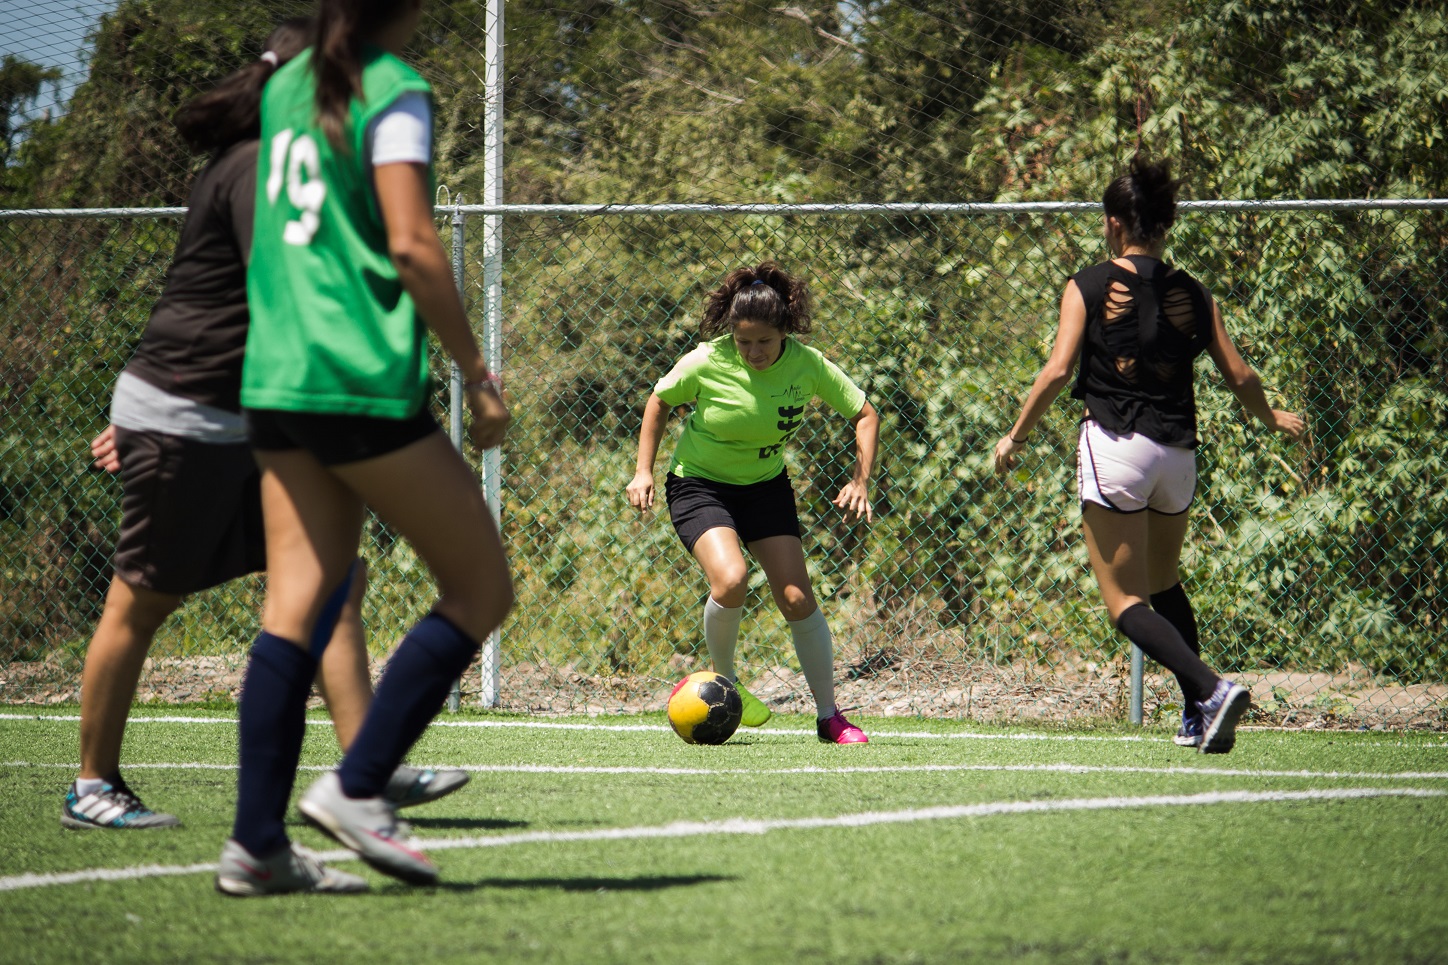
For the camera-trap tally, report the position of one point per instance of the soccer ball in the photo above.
(704, 708)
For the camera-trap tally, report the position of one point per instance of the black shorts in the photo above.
(335, 439)
(190, 512)
(756, 511)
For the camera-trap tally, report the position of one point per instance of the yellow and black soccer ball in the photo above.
(705, 708)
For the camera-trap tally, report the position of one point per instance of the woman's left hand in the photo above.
(855, 498)
(103, 450)
(1005, 453)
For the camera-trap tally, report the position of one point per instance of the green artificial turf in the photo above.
(1351, 880)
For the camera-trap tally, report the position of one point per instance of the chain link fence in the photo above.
(1317, 570)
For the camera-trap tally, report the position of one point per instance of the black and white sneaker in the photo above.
(410, 786)
(113, 806)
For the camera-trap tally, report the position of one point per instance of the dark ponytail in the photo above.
(764, 293)
(231, 111)
(343, 26)
(1143, 200)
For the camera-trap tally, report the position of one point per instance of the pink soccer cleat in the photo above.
(837, 730)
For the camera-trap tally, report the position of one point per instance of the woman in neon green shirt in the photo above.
(750, 382)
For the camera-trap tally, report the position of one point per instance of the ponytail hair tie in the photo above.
(755, 282)
(271, 57)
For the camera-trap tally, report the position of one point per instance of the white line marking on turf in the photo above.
(755, 826)
(769, 731)
(22, 882)
(686, 829)
(1062, 768)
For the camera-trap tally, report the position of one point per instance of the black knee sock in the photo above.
(1160, 641)
(273, 721)
(411, 692)
(1174, 604)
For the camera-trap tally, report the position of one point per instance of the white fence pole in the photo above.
(493, 296)
(455, 379)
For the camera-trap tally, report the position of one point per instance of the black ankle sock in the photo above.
(273, 721)
(1176, 606)
(1159, 640)
(411, 692)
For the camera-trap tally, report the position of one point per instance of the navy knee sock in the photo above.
(1176, 606)
(273, 721)
(411, 692)
(1159, 640)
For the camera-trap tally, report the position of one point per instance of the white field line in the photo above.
(660, 728)
(880, 769)
(755, 826)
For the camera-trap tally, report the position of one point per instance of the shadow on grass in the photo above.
(640, 883)
(463, 824)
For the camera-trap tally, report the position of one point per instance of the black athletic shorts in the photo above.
(335, 439)
(756, 511)
(190, 512)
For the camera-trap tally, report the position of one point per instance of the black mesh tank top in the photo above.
(1143, 332)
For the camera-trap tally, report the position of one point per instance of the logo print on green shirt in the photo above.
(790, 419)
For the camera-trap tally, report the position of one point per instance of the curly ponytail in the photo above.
(231, 111)
(1143, 200)
(765, 293)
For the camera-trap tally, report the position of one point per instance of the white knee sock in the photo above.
(721, 632)
(816, 655)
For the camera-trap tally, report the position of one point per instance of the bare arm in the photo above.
(1054, 376)
(426, 273)
(1245, 384)
(656, 418)
(855, 496)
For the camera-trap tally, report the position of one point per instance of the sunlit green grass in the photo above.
(1268, 881)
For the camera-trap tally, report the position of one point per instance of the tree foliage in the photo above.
(1321, 556)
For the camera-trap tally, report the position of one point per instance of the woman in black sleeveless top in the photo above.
(1137, 324)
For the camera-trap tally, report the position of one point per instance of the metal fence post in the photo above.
(493, 298)
(1136, 686)
(455, 382)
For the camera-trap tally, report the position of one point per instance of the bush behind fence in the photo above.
(1316, 570)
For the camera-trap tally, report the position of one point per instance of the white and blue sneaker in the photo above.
(1220, 713)
(410, 786)
(1190, 732)
(111, 806)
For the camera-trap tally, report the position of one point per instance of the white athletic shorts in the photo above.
(1130, 473)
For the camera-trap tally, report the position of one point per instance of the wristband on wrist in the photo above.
(492, 378)
(1019, 442)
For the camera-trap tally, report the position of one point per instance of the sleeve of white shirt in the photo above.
(402, 134)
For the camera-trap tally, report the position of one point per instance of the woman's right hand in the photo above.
(1289, 424)
(1005, 453)
(641, 491)
(490, 414)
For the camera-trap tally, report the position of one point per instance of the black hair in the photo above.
(1143, 200)
(342, 26)
(231, 111)
(765, 293)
